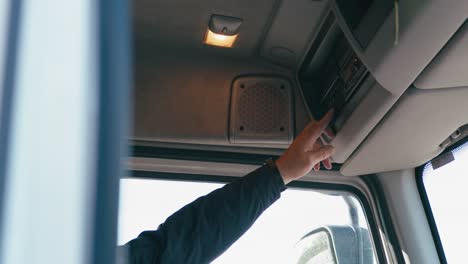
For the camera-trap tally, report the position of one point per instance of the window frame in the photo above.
(8, 59)
(427, 205)
(110, 27)
(315, 186)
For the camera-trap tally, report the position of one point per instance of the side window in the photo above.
(304, 226)
(444, 183)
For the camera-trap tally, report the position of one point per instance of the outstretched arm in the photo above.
(205, 228)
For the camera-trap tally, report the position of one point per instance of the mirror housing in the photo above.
(337, 245)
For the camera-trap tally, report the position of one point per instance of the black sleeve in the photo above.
(205, 228)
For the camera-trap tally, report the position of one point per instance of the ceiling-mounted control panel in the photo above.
(364, 56)
(332, 75)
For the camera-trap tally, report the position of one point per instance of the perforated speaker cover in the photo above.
(261, 111)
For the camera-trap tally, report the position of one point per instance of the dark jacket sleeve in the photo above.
(205, 228)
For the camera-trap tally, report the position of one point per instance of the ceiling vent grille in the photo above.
(261, 111)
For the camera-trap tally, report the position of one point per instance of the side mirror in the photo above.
(336, 245)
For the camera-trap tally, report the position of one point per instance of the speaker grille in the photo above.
(261, 111)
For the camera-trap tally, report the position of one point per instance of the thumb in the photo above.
(324, 152)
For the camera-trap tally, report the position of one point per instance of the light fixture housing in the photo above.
(222, 31)
(219, 40)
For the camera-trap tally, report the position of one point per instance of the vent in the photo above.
(261, 111)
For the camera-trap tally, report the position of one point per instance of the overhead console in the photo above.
(350, 55)
(332, 75)
(448, 68)
(428, 117)
(361, 60)
(363, 17)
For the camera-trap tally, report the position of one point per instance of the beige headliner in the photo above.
(172, 61)
(182, 24)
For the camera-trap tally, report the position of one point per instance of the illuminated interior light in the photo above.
(219, 40)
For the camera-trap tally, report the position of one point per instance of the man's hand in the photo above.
(306, 152)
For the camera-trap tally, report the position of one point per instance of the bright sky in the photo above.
(446, 189)
(144, 204)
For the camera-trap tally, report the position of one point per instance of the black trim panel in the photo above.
(199, 155)
(156, 175)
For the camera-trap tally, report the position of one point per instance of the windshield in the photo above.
(144, 204)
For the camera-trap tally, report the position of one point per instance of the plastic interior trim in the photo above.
(207, 155)
(377, 192)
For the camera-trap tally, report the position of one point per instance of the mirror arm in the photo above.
(353, 210)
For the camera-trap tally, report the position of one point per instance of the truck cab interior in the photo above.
(192, 95)
(392, 71)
